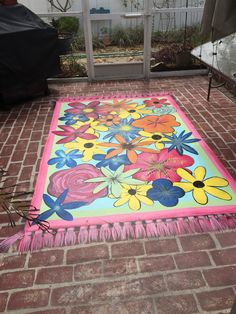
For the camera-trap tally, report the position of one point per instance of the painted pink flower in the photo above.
(74, 180)
(71, 133)
(91, 110)
(162, 165)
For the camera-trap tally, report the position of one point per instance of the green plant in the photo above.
(66, 24)
(127, 37)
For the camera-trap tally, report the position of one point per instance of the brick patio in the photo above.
(179, 275)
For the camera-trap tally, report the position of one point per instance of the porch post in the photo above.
(147, 37)
(88, 39)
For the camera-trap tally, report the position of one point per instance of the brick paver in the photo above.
(173, 275)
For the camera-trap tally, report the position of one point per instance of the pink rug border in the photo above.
(134, 216)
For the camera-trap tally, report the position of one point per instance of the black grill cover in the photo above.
(28, 48)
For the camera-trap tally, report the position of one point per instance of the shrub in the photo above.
(66, 24)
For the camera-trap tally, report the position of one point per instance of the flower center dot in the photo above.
(156, 102)
(198, 184)
(109, 120)
(128, 146)
(156, 137)
(56, 208)
(88, 145)
(132, 111)
(132, 192)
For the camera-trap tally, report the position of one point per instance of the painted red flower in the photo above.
(155, 102)
(91, 110)
(162, 165)
(71, 133)
(74, 180)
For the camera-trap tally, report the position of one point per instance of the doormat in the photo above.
(119, 168)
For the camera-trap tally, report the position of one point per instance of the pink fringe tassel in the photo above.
(83, 235)
(93, 233)
(37, 241)
(48, 239)
(70, 237)
(118, 231)
(59, 238)
(139, 230)
(151, 229)
(5, 244)
(105, 232)
(127, 231)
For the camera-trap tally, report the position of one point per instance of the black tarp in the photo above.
(28, 48)
(219, 18)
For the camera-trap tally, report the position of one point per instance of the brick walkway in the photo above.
(179, 275)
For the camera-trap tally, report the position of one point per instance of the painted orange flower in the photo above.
(163, 124)
(116, 105)
(130, 148)
(110, 119)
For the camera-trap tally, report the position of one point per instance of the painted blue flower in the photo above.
(180, 142)
(65, 159)
(164, 110)
(71, 118)
(57, 207)
(124, 128)
(113, 163)
(164, 192)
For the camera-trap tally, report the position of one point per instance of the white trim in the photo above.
(88, 40)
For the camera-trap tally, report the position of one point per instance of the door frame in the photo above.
(142, 68)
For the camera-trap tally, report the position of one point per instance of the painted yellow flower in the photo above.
(157, 137)
(94, 126)
(135, 111)
(134, 195)
(87, 147)
(200, 187)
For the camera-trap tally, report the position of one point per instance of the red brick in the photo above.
(227, 238)
(19, 279)
(47, 258)
(3, 301)
(185, 280)
(219, 277)
(129, 288)
(35, 136)
(176, 304)
(192, 260)
(18, 155)
(7, 150)
(25, 134)
(6, 232)
(127, 249)
(224, 257)
(4, 218)
(21, 145)
(89, 253)
(197, 242)
(159, 263)
(120, 267)
(30, 159)
(216, 300)
(33, 147)
(161, 246)
(134, 307)
(49, 311)
(11, 262)
(54, 275)
(92, 309)
(72, 295)
(28, 299)
(88, 271)
(26, 173)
